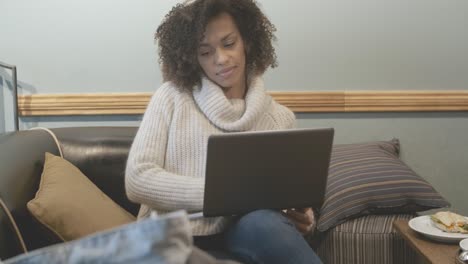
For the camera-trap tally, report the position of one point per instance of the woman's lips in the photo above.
(225, 73)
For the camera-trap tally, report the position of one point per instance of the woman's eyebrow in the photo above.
(204, 44)
(227, 36)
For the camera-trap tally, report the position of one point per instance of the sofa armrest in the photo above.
(21, 164)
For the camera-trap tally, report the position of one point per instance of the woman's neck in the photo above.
(236, 92)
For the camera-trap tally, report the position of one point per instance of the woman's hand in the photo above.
(303, 219)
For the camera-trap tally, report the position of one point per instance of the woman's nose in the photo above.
(221, 57)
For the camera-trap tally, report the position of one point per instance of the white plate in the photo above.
(424, 225)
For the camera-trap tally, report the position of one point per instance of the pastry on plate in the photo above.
(450, 222)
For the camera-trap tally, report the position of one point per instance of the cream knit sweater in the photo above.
(166, 165)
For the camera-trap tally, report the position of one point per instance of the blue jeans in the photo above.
(267, 236)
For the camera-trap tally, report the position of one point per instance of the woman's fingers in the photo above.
(301, 216)
(302, 228)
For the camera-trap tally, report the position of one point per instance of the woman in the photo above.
(213, 53)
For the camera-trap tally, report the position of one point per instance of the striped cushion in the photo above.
(366, 240)
(369, 178)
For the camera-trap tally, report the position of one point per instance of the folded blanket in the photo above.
(163, 239)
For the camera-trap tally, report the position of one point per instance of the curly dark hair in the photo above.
(180, 32)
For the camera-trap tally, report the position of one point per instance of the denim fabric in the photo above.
(164, 239)
(267, 236)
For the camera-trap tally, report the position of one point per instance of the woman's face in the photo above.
(221, 55)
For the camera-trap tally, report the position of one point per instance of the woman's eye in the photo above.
(205, 53)
(230, 44)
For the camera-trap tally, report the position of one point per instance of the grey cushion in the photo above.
(369, 178)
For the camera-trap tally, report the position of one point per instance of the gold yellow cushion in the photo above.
(70, 205)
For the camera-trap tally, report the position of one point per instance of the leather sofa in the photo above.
(101, 153)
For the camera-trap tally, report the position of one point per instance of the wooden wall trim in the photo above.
(406, 101)
(83, 104)
(316, 101)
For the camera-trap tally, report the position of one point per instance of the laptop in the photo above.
(280, 169)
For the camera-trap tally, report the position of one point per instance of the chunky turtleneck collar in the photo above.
(235, 114)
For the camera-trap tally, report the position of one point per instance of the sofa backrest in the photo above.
(99, 152)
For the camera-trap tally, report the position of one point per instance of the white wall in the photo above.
(107, 45)
(371, 44)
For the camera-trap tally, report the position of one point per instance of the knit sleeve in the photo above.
(291, 117)
(283, 117)
(146, 181)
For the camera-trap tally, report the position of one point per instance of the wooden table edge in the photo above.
(410, 236)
